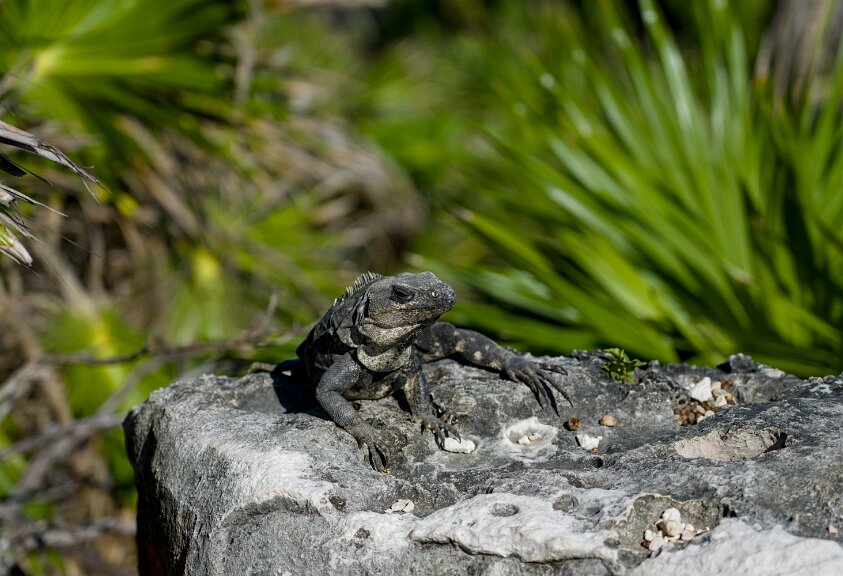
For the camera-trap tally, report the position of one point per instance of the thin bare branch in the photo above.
(112, 403)
(56, 534)
(80, 429)
(256, 336)
(10, 508)
(19, 385)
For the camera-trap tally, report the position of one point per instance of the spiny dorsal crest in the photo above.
(361, 282)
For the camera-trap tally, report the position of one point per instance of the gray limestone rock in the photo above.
(249, 476)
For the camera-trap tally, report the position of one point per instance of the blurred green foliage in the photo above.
(588, 174)
(628, 190)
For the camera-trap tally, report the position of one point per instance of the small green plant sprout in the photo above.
(621, 367)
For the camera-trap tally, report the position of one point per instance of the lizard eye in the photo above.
(401, 294)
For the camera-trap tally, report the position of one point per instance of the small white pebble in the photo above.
(716, 386)
(720, 401)
(671, 528)
(533, 437)
(772, 372)
(672, 514)
(588, 441)
(464, 447)
(708, 413)
(657, 542)
(401, 506)
(688, 533)
(524, 440)
(832, 529)
(649, 535)
(701, 391)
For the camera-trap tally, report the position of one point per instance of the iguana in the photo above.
(376, 336)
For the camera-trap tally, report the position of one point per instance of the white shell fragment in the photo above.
(529, 438)
(669, 528)
(701, 392)
(401, 506)
(588, 441)
(688, 533)
(657, 542)
(454, 445)
(670, 524)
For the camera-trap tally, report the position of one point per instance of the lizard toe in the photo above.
(551, 385)
(378, 457)
(446, 416)
(555, 368)
(439, 428)
(375, 446)
(531, 383)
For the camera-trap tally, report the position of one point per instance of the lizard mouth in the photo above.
(410, 303)
(411, 318)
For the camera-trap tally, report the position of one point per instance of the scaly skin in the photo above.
(374, 340)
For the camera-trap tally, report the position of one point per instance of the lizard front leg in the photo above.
(418, 397)
(443, 339)
(341, 376)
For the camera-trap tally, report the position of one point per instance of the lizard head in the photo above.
(408, 300)
(385, 312)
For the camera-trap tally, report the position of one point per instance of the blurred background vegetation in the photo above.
(660, 176)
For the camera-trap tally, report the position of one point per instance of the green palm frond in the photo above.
(662, 198)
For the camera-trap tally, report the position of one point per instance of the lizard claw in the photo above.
(377, 455)
(547, 367)
(538, 377)
(446, 415)
(439, 426)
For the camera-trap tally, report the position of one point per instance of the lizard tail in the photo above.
(290, 365)
(285, 366)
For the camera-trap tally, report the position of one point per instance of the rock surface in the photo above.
(247, 476)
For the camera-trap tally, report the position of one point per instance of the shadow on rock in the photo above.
(293, 390)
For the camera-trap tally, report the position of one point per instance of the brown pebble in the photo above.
(699, 409)
(573, 424)
(608, 420)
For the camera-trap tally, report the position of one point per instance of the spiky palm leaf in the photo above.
(658, 200)
(11, 219)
